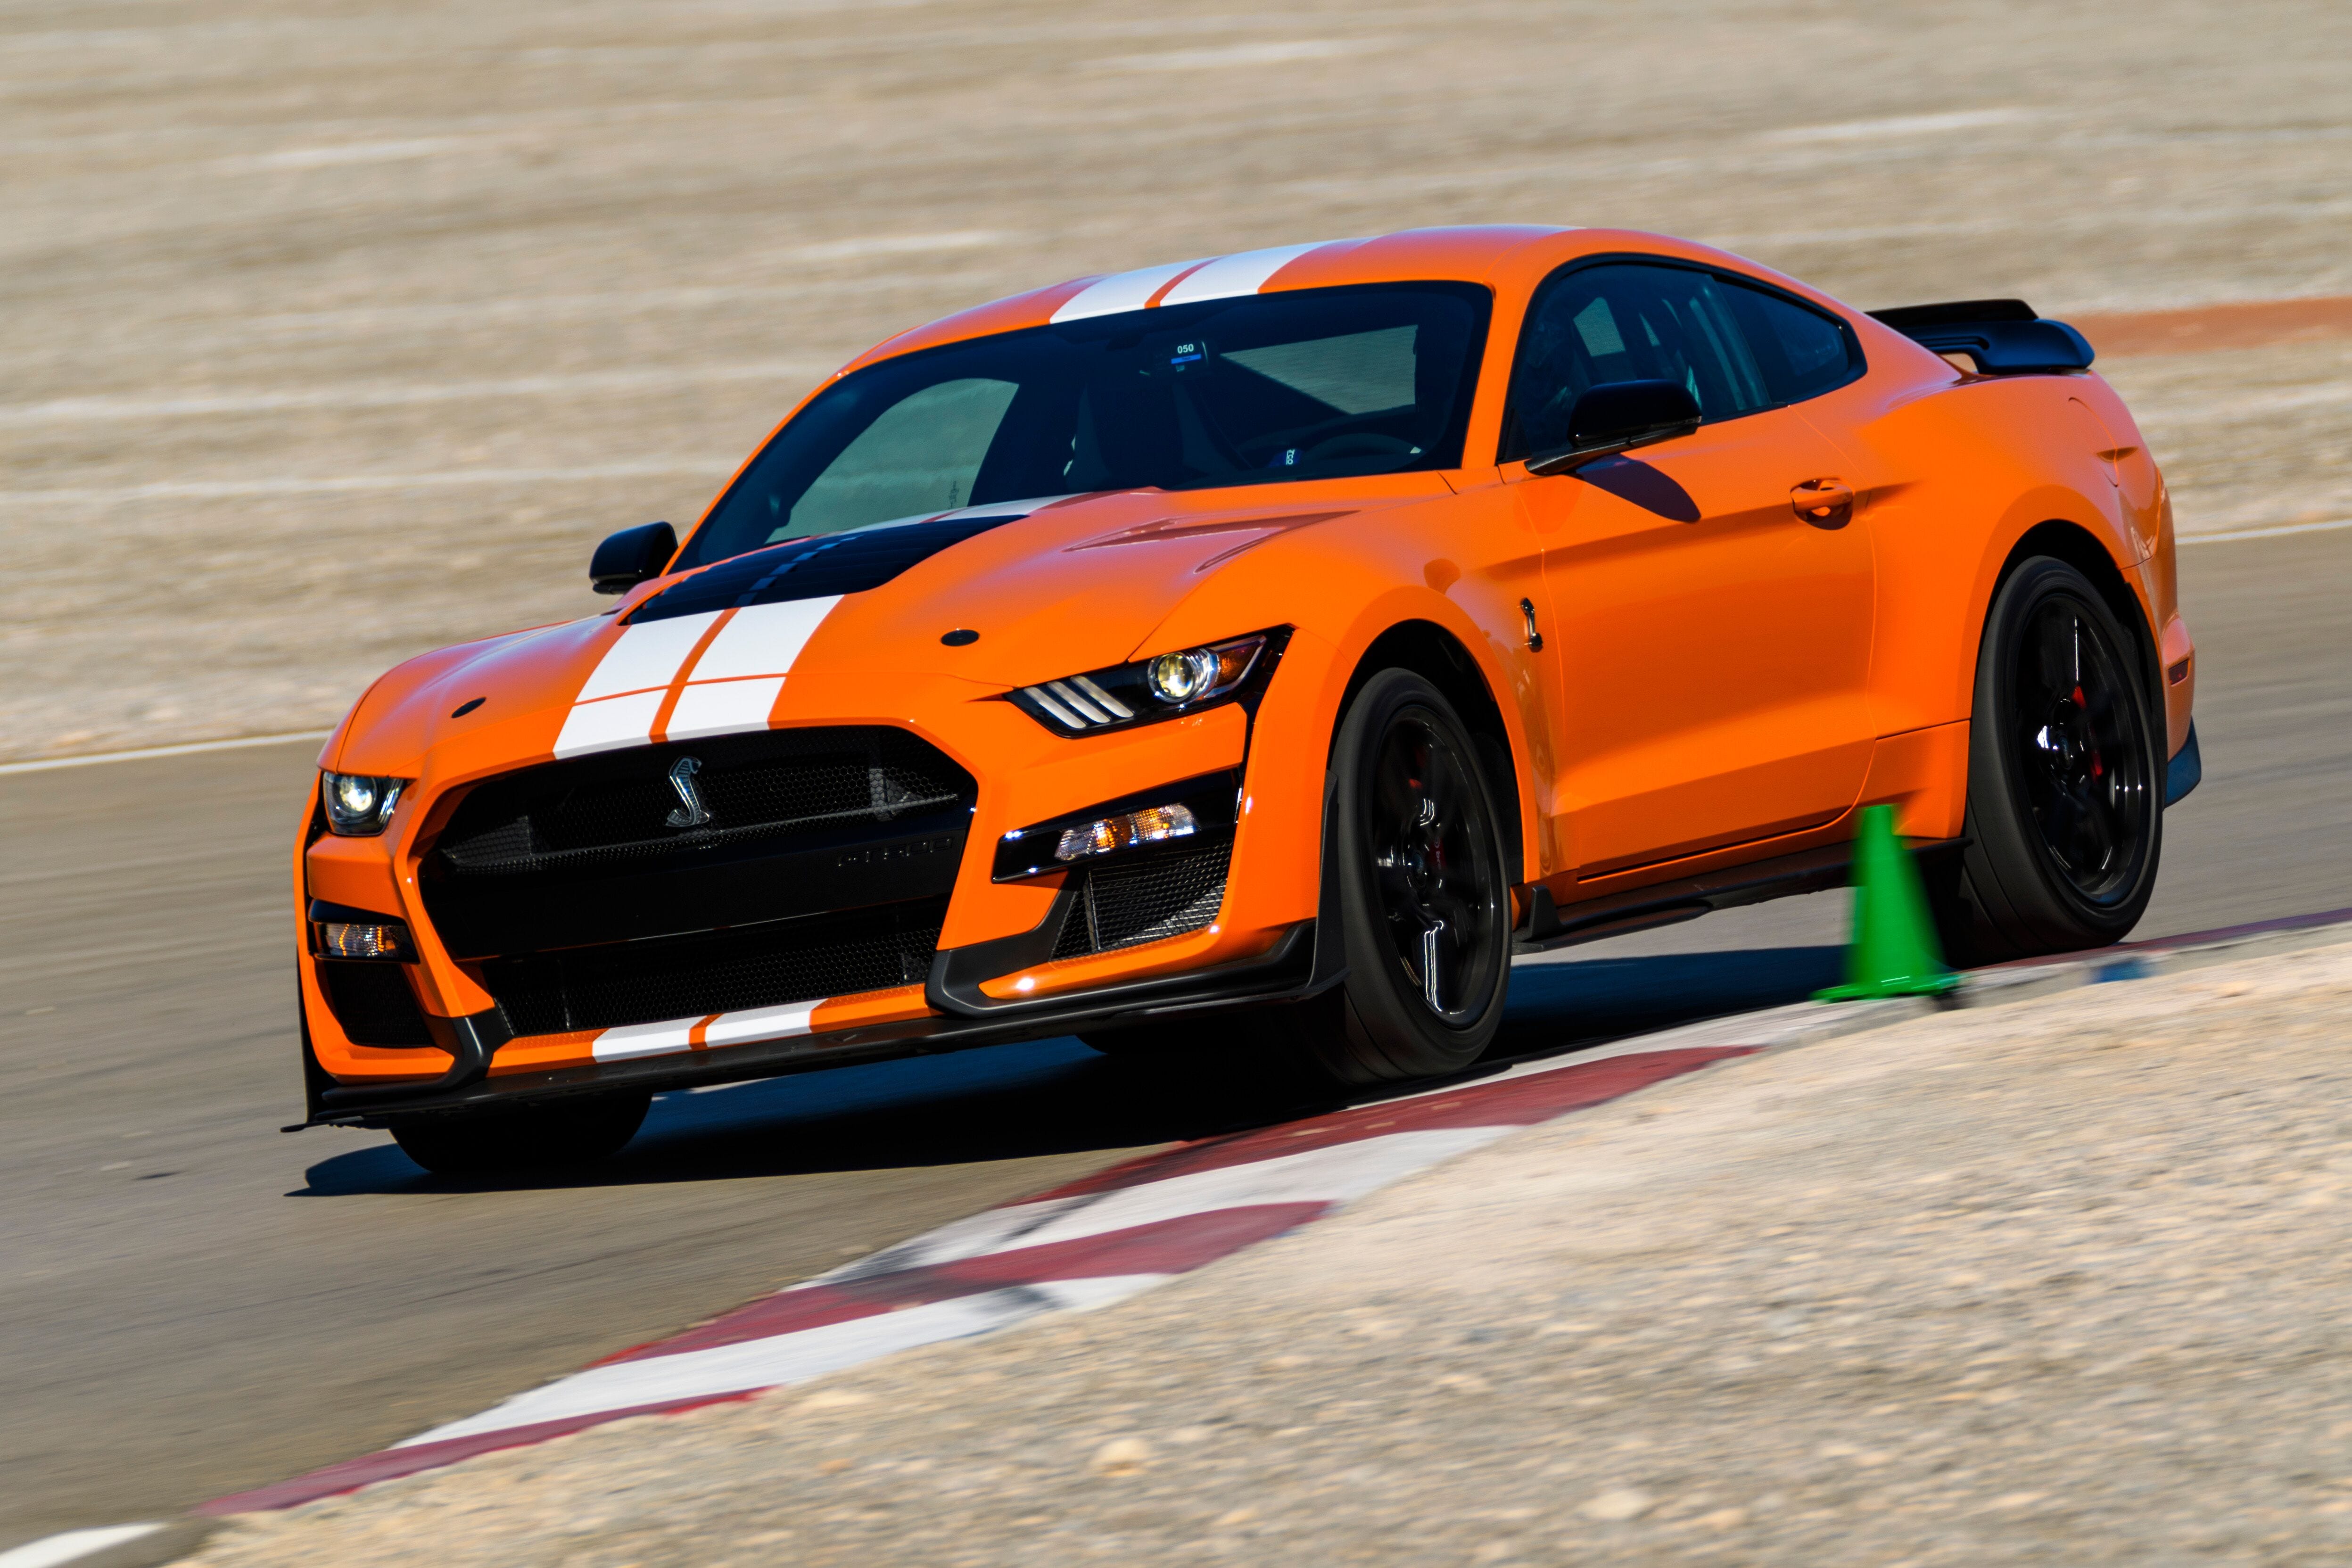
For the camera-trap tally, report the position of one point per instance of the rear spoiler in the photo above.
(2003, 337)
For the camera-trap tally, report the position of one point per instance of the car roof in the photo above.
(1467, 254)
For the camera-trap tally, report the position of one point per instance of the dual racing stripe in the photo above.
(1220, 278)
(709, 656)
(677, 1035)
(718, 672)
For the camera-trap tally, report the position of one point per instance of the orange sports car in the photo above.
(1249, 655)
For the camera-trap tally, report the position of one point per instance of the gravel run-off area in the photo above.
(2062, 1281)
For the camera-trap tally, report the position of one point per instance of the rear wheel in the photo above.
(2065, 815)
(550, 1135)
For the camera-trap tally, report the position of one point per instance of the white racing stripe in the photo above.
(762, 1023)
(647, 654)
(1244, 273)
(1120, 291)
(628, 1040)
(763, 639)
(1335, 1174)
(789, 1358)
(723, 707)
(605, 726)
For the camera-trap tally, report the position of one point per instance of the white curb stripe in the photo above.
(1336, 1174)
(52, 1550)
(789, 1358)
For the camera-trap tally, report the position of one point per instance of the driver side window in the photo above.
(1627, 321)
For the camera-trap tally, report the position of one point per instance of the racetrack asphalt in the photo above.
(194, 1303)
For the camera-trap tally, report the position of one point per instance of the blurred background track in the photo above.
(336, 333)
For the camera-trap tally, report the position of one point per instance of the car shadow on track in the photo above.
(1058, 1097)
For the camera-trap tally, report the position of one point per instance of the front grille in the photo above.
(1168, 895)
(610, 811)
(793, 823)
(716, 971)
(372, 1003)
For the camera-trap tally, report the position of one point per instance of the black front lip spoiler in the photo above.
(1287, 972)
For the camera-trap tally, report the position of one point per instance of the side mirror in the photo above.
(1617, 416)
(632, 556)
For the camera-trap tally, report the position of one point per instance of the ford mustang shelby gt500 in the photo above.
(1250, 656)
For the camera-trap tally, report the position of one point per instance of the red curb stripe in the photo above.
(1509, 1102)
(392, 1464)
(1164, 1246)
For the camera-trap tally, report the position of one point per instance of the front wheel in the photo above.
(2065, 815)
(1425, 895)
(550, 1135)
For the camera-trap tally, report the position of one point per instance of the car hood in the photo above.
(1052, 589)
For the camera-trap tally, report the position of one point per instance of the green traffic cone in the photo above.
(1894, 951)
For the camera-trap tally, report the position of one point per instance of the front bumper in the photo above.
(1286, 972)
(1001, 972)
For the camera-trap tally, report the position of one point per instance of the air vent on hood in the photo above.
(815, 568)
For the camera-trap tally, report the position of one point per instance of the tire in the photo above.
(2066, 813)
(552, 1135)
(1425, 896)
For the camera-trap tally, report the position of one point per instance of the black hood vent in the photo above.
(815, 568)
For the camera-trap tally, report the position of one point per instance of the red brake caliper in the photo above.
(2098, 768)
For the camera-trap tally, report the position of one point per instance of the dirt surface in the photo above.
(340, 330)
(2059, 1282)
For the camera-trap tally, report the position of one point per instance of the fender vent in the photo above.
(1121, 906)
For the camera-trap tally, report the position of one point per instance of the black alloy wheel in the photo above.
(1437, 888)
(2065, 815)
(1425, 895)
(2085, 772)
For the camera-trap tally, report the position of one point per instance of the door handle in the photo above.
(1827, 501)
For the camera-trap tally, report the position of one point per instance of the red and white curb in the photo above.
(1086, 1245)
(1139, 1223)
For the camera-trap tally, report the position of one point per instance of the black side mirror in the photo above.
(1617, 416)
(631, 556)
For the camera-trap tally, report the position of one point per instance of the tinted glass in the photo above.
(1801, 353)
(1317, 384)
(1626, 322)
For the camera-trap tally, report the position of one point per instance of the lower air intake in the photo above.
(1168, 895)
(372, 1003)
(762, 965)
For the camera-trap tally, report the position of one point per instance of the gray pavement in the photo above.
(194, 1304)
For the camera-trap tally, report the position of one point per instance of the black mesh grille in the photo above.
(716, 971)
(580, 816)
(372, 1003)
(1168, 895)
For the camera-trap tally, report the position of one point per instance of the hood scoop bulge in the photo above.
(815, 568)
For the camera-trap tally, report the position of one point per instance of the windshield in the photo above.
(1317, 384)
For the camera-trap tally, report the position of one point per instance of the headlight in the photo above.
(358, 806)
(1162, 686)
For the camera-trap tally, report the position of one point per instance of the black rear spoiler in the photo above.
(2003, 337)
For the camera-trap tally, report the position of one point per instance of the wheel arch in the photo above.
(1440, 658)
(2069, 541)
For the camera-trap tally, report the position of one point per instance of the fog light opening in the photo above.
(1153, 825)
(339, 939)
